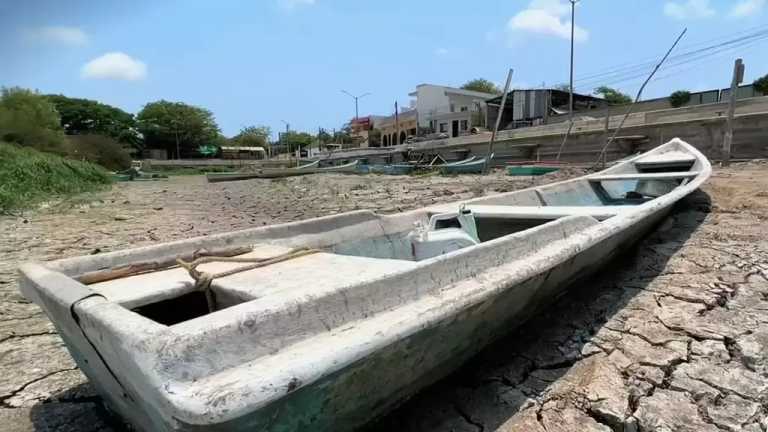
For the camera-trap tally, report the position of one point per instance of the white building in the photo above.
(449, 110)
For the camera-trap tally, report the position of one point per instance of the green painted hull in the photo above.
(530, 170)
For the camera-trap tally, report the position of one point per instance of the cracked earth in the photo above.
(670, 337)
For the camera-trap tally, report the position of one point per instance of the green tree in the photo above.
(177, 127)
(252, 136)
(761, 84)
(100, 149)
(374, 138)
(679, 98)
(29, 119)
(481, 85)
(613, 96)
(296, 140)
(324, 137)
(85, 116)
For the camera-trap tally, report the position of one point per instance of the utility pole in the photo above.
(489, 153)
(356, 99)
(573, 27)
(397, 126)
(738, 77)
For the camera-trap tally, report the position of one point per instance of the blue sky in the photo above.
(260, 62)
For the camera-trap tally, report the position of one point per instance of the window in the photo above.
(443, 127)
(464, 125)
(463, 109)
(453, 108)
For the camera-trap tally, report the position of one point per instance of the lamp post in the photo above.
(356, 99)
(573, 26)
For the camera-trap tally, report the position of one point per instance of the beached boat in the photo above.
(393, 169)
(465, 167)
(311, 168)
(533, 168)
(327, 323)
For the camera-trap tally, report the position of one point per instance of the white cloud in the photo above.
(691, 9)
(58, 34)
(292, 4)
(115, 65)
(441, 51)
(547, 17)
(747, 8)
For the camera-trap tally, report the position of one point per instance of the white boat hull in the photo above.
(333, 339)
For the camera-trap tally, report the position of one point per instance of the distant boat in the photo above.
(327, 323)
(310, 168)
(393, 169)
(465, 167)
(531, 170)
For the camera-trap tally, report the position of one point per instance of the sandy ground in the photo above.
(672, 338)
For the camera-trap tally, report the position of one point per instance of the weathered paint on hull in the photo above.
(371, 387)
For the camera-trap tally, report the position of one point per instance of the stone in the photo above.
(672, 411)
(732, 411)
(753, 347)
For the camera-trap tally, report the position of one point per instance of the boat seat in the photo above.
(668, 159)
(544, 212)
(644, 176)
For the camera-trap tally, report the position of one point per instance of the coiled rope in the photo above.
(203, 279)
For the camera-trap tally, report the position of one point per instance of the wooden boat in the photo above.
(393, 169)
(531, 170)
(326, 323)
(282, 172)
(471, 167)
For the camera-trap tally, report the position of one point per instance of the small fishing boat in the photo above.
(465, 167)
(393, 169)
(327, 323)
(311, 168)
(532, 168)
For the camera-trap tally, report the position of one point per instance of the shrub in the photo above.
(679, 98)
(28, 176)
(29, 119)
(761, 85)
(98, 149)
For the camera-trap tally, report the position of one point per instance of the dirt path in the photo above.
(676, 324)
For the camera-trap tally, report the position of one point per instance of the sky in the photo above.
(266, 62)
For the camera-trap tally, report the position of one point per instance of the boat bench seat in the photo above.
(645, 176)
(318, 272)
(541, 212)
(668, 159)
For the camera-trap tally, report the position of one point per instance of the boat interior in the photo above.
(371, 250)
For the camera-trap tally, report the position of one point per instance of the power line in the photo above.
(687, 58)
(650, 62)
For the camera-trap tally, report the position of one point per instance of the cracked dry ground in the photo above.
(670, 338)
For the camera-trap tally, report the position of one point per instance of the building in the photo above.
(396, 129)
(448, 110)
(360, 129)
(237, 152)
(534, 107)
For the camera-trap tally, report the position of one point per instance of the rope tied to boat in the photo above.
(203, 279)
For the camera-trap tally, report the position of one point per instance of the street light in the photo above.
(355, 98)
(573, 26)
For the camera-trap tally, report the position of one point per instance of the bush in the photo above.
(761, 85)
(28, 176)
(98, 149)
(679, 98)
(29, 119)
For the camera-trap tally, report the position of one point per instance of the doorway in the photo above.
(455, 128)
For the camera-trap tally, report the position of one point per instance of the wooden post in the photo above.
(738, 77)
(498, 121)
